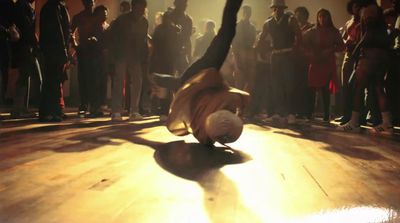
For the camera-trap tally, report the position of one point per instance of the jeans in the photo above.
(134, 70)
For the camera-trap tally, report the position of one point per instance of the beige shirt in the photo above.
(202, 95)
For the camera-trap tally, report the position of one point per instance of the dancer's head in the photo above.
(224, 126)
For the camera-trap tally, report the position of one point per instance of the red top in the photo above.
(322, 69)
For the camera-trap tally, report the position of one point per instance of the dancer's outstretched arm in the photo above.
(219, 48)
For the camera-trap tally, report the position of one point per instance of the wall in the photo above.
(213, 9)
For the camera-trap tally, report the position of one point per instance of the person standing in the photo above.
(180, 18)
(393, 79)
(98, 66)
(6, 26)
(204, 40)
(24, 55)
(284, 33)
(373, 53)
(302, 63)
(322, 42)
(165, 50)
(81, 26)
(243, 49)
(351, 36)
(54, 39)
(129, 50)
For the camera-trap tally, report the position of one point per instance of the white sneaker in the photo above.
(135, 116)
(116, 117)
(291, 119)
(274, 118)
(349, 127)
(383, 130)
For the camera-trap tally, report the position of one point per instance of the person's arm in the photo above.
(339, 43)
(145, 48)
(297, 31)
(308, 44)
(397, 31)
(264, 44)
(74, 27)
(25, 25)
(187, 33)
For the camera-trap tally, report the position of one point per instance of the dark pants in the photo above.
(302, 89)
(95, 81)
(326, 98)
(283, 82)
(53, 77)
(27, 69)
(219, 48)
(348, 86)
(260, 93)
(85, 64)
(4, 65)
(393, 87)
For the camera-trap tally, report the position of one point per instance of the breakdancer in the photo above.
(204, 105)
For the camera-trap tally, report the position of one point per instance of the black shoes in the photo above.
(50, 118)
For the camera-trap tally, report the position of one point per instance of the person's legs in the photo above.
(347, 88)
(370, 72)
(117, 83)
(393, 88)
(50, 109)
(95, 88)
(372, 104)
(326, 97)
(277, 81)
(311, 94)
(135, 71)
(83, 72)
(289, 83)
(302, 86)
(21, 91)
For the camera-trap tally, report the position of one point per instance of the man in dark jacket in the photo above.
(5, 23)
(129, 49)
(54, 39)
(180, 18)
(283, 31)
(82, 24)
(24, 55)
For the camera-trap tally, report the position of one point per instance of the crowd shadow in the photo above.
(344, 145)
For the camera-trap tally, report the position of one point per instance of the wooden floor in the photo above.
(137, 172)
